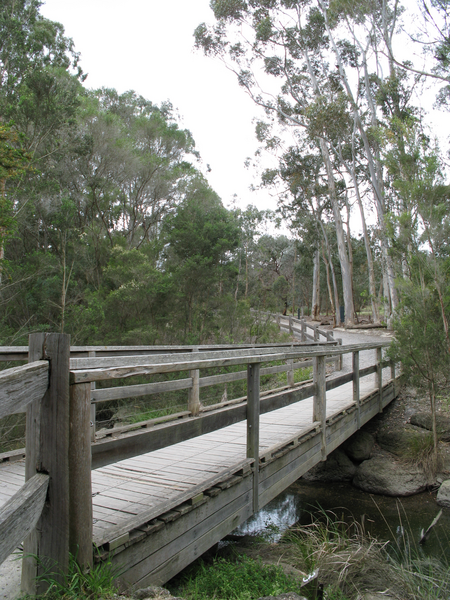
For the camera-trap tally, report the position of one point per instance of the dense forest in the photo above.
(110, 231)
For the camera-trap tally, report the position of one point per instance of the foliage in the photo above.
(242, 579)
(78, 584)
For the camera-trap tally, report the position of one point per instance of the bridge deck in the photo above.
(129, 493)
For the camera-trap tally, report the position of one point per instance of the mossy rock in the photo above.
(400, 440)
(383, 475)
(425, 421)
(359, 447)
(337, 467)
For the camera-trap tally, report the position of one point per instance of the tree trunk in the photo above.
(316, 287)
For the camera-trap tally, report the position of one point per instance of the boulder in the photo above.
(399, 440)
(382, 475)
(359, 447)
(424, 420)
(337, 467)
(443, 495)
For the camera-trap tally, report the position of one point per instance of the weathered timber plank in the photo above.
(338, 381)
(187, 536)
(289, 475)
(192, 523)
(131, 444)
(19, 386)
(175, 564)
(126, 361)
(152, 513)
(145, 367)
(12, 456)
(144, 389)
(367, 371)
(141, 424)
(21, 513)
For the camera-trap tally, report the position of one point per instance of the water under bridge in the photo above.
(156, 494)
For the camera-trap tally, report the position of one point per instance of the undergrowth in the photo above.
(78, 584)
(241, 579)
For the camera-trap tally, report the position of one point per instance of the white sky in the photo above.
(148, 46)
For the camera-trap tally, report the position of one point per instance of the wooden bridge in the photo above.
(157, 494)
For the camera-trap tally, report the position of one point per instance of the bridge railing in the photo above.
(59, 427)
(301, 328)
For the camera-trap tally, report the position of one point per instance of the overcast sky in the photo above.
(148, 46)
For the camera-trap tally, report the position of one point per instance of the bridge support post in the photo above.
(356, 390)
(379, 377)
(253, 375)
(320, 401)
(291, 329)
(47, 451)
(303, 338)
(194, 391)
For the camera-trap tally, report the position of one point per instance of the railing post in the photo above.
(303, 338)
(341, 356)
(316, 333)
(47, 451)
(291, 329)
(356, 390)
(379, 377)
(80, 506)
(320, 401)
(93, 406)
(194, 392)
(253, 372)
(290, 372)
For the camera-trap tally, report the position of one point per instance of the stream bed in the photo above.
(385, 518)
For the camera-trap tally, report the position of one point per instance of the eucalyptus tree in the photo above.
(289, 41)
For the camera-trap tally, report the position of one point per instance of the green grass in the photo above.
(242, 579)
(97, 583)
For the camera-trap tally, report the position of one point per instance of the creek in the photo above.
(385, 518)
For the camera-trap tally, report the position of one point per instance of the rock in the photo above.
(152, 591)
(443, 495)
(337, 467)
(399, 440)
(382, 475)
(360, 446)
(425, 421)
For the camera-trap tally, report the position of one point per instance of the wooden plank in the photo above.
(21, 513)
(131, 444)
(144, 389)
(12, 455)
(154, 512)
(141, 424)
(187, 535)
(160, 359)
(48, 451)
(137, 368)
(178, 562)
(19, 386)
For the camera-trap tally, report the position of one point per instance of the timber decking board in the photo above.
(123, 490)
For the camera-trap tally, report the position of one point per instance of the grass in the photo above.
(420, 451)
(241, 579)
(94, 584)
